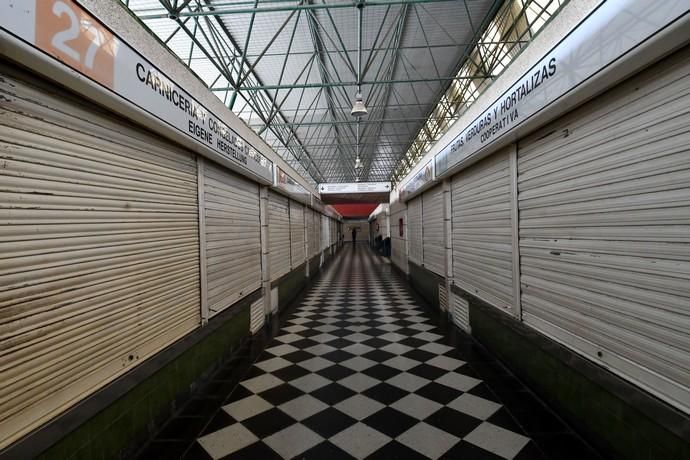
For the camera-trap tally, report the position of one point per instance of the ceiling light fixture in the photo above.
(358, 108)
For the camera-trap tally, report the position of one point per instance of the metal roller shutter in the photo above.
(604, 197)
(434, 239)
(297, 233)
(482, 231)
(233, 237)
(278, 235)
(398, 243)
(99, 249)
(325, 232)
(317, 233)
(332, 223)
(414, 230)
(312, 246)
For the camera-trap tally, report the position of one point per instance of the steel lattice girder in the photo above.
(286, 67)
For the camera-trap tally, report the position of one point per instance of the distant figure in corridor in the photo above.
(354, 235)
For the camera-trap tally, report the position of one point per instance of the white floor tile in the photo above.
(302, 407)
(310, 382)
(474, 405)
(227, 440)
(428, 440)
(359, 406)
(247, 407)
(458, 381)
(261, 383)
(293, 440)
(360, 440)
(416, 406)
(498, 440)
(358, 382)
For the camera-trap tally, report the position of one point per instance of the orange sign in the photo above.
(67, 32)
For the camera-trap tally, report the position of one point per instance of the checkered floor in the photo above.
(360, 371)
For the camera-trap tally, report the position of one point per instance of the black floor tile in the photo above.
(466, 451)
(385, 393)
(337, 356)
(439, 393)
(483, 391)
(453, 422)
(378, 355)
(268, 422)
(381, 372)
(280, 394)
(256, 451)
(219, 421)
(291, 372)
(333, 393)
(324, 451)
(427, 371)
(420, 355)
(329, 422)
(503, 419)
(297, 356)
(390, 421)
(412, 342)
(304, 343)
(395, 450)
(336, 372)
(530, 452)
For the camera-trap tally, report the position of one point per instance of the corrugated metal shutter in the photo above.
(317, 233)
(332, 223)
(312, 246)
(482, 232)
(414, 230)
(278, 235)
(297, 233)
(233, 237)
(434, 239)
(604, 197)
(99, 249)
(398, 243)
(325, 232)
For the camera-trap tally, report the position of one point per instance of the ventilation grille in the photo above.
(274, 299)
(256, 314)
(461, 313)
(443, 297)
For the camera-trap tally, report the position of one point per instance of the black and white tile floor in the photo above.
(360, 370)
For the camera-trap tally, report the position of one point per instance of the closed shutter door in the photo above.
(233, 237)
(278, 235)
(297, 232)
(325, 232)
(311, 235)
(317, 233)
(604, 198)
(398, 243)
(434, 240)
(99, 249)
(482, 232)
(414, 230)
(333, 231)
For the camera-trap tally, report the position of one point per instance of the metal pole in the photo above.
(360, 7)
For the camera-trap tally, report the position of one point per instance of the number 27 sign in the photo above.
(66, 31)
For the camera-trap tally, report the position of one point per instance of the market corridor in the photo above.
(360, 369)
